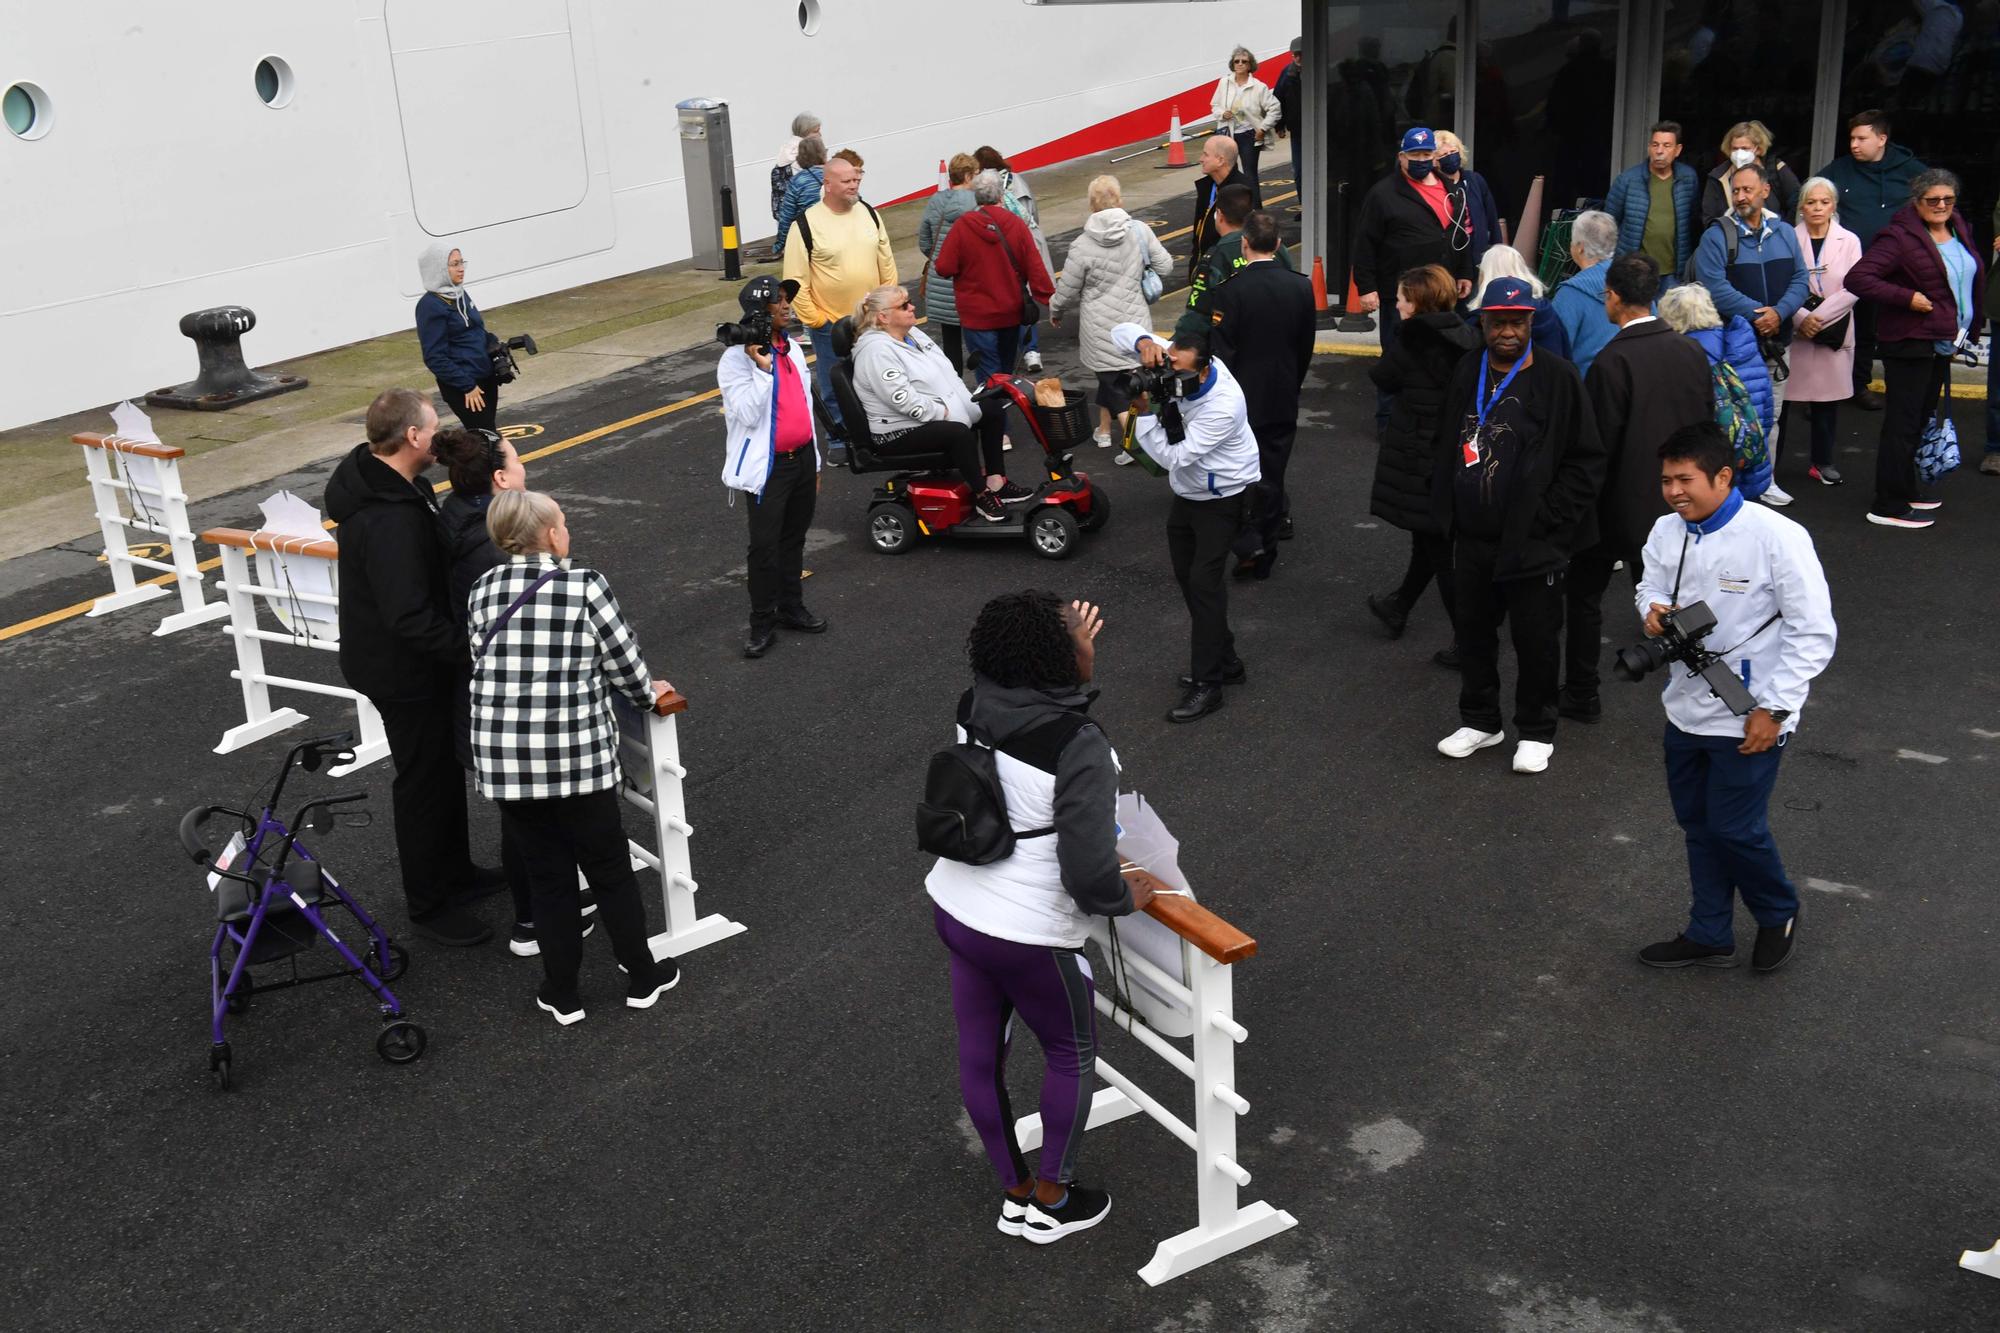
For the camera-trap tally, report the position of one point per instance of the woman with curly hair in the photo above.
(1015, 928)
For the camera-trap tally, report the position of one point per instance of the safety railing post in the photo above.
(686, 930)
(136, 486)
(259, 718)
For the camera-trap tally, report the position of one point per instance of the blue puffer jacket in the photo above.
(1736, 343)
(801, 193)
(1631, 199)
(1578, 301)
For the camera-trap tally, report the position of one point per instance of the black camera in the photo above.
(751, 331)
(1681, 633)
(1160, 384)
(505, 369)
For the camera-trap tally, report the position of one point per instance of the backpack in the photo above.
(963, 816)
(1732, 240)
(804, 228)
(781, 176)
(1736, 413)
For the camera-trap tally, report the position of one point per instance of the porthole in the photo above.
(809, 17)
(24, 109)
(274, 82)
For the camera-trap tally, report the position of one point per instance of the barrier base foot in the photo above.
(249, 733)
(708, 930)
(1191, 1249)
(181, 620)
(1106, 1105)
(1982, 1261)
(118, 601)
(364, 755)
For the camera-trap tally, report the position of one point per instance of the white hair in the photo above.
(1822, 183)
(987, 187)
(1688, 306)
(1596, 235)
(1503, 261)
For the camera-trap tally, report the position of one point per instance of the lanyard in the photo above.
(1487, 403)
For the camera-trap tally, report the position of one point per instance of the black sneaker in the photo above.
(802, 621)
(521, 941)
(1285, 528)
(1014, 1214)
(1680, 951)
(1580, 707)
(452, 927)
(1447, 658)
(989, 507)
(1389, 609)
(1010, 494)
(1774, 946)
(1080, 1210)
(1201, 700)
(641, 991)
(564, 1007)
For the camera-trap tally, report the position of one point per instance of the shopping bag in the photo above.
(1937, 452)
(1143, 840)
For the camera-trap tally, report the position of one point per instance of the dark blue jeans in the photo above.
(1993, 391)
(823, 358)
(991, 352)
(1722, 800)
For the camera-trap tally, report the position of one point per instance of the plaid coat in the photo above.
(542, 724)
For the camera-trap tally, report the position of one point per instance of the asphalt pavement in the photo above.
(1483, 1112)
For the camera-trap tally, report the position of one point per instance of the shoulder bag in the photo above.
(500, 621)
(1030, 312)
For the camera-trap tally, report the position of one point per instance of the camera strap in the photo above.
(1773, 619)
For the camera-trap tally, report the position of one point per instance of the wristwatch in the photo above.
(1777, 715)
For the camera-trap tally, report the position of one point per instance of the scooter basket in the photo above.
(1068, 426)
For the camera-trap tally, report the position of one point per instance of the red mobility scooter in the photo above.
(925, 496)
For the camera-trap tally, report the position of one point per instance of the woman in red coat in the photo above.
(990, 256)
(1925, 273)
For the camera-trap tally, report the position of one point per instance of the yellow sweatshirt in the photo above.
(850, 258)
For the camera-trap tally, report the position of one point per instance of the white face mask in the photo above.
(1742, 157)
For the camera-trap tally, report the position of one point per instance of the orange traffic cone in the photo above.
(1352, 320)
(944, 177)
(1319, 284)
(1176, 146)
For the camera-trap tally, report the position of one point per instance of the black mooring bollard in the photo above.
(223, 381)
(732, 257)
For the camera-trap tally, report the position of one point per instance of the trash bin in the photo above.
(710, 164)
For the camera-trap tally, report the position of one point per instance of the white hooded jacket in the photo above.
(749, 406)
(1218, 455)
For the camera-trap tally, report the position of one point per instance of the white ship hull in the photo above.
(538, 134)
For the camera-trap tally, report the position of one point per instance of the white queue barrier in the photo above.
(654, 781)
(1210, 947)
(1982, 1261)
(136, 487)
(291, 605)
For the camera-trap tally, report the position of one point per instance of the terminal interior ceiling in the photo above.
(1565, 90)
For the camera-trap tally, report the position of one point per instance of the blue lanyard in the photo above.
(1486, 404)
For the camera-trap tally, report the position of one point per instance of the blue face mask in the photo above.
(1448, 164)
(1418, 168)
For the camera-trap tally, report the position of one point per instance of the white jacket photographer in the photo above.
(1751, 566)
(750, 384)
(1217, 454)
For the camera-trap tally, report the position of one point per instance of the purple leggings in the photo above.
(991, 979)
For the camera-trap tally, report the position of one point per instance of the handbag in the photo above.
(1030, 312)
(1833, 335)
(1151, 285)
(1937, 452)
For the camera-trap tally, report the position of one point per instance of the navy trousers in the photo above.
(1722, 800)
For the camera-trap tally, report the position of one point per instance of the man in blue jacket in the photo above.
(1874, 181)
(1750, 263)
(1578, 300)
(1653, 203)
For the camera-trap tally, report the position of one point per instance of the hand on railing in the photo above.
(667, 700)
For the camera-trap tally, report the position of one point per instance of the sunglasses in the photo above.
(1941, 201)
(907, 305)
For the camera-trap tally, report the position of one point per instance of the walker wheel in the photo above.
(236, 1001)
(399, 961)
(218, 1064)
(401, 1042)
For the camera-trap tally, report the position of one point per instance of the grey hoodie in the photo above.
(905, 384)
(434, 267)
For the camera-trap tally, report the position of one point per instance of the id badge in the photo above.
(1468, 450)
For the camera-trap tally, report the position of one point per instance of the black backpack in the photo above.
(805, 228)
(963, 816)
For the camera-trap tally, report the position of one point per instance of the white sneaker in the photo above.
(1006, 442)
(1122, 459)
(1032, 361)
(1775, 496)
(1532, 756)
(1102, 439)
(1461, 743)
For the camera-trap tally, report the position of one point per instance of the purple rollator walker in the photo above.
(268, 908)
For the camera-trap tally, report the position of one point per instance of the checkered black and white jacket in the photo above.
(542, 724)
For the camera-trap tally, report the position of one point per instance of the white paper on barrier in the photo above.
(141, 474)
(1143, 839)
(287, 514)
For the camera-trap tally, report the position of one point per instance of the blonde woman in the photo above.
(1504, 261)
(1822, 377)
(1479, 217)
(917, 404)
(1745, 142)
(1245, 110)
(1100, 281)
(549, 645)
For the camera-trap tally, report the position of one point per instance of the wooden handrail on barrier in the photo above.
(90, 439)
(1194, 923)
(673, 701)
(278, 543)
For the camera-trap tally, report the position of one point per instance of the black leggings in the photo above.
(488, 418)
(954, 440)
(1430, 556)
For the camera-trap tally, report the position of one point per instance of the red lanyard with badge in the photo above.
(1469, 450)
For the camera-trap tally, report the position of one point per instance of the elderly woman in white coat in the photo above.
(1101, 281)
(1821, 376)
(1247, 110)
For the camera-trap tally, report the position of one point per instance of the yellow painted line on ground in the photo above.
(161, 580)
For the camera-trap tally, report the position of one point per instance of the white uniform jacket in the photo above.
(1218, 457)
(750, 407)
(1748, 564)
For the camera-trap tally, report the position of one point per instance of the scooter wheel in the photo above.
(1053, 532)
(1100, 510)
(892, 529)
(401, 1042)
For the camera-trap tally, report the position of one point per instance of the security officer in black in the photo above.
(1264, 329)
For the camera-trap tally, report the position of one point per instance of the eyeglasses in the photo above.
(1242, 62)
(907, 305)
(1940, 201)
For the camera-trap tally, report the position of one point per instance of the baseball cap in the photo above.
(1509, 294)
(1418, 140)
(760, 292)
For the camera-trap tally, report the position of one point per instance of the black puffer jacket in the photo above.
(1415, 369)
(472, 553)
(399, 640)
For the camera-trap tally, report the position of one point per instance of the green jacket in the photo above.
(1225, 260)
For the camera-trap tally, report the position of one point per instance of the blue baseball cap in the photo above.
(1418, 140)
(1509, 294)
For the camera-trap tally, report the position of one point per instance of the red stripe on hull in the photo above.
(1132, 127)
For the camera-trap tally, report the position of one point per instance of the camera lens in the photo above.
(1640, 660)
